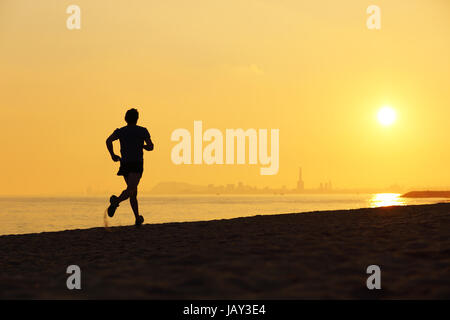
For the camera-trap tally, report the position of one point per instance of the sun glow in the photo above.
(387, 116)
(386, 199)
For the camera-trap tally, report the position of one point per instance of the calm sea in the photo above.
(30, 215)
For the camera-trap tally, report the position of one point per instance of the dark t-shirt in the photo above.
(131, 142)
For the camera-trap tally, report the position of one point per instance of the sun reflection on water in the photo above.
(386, 199)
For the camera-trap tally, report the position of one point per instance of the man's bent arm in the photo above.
(109, 145)
(149, 144)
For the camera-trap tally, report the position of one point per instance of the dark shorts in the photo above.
(127, 167)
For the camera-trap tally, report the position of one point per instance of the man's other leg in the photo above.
(133, 182)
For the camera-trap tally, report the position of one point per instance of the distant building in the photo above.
(300, 183)
(326, 186)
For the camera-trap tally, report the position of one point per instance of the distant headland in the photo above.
(427, 194)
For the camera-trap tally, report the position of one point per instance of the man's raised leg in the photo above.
(132, 181)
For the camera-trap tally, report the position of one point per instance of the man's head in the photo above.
(131, 117)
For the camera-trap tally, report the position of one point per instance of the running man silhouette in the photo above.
(133, 140)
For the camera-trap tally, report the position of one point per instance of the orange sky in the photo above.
(308, 68)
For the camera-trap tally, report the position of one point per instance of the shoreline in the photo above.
(313, 255)
(106, 221)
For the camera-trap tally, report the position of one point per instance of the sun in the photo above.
(387, 116)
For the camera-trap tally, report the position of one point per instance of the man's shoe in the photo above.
(139, 221)
(113, 205)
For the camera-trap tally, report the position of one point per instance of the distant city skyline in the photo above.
(173, 187)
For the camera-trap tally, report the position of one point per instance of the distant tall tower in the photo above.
(300, 184)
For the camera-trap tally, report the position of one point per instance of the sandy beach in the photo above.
(318, 255)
